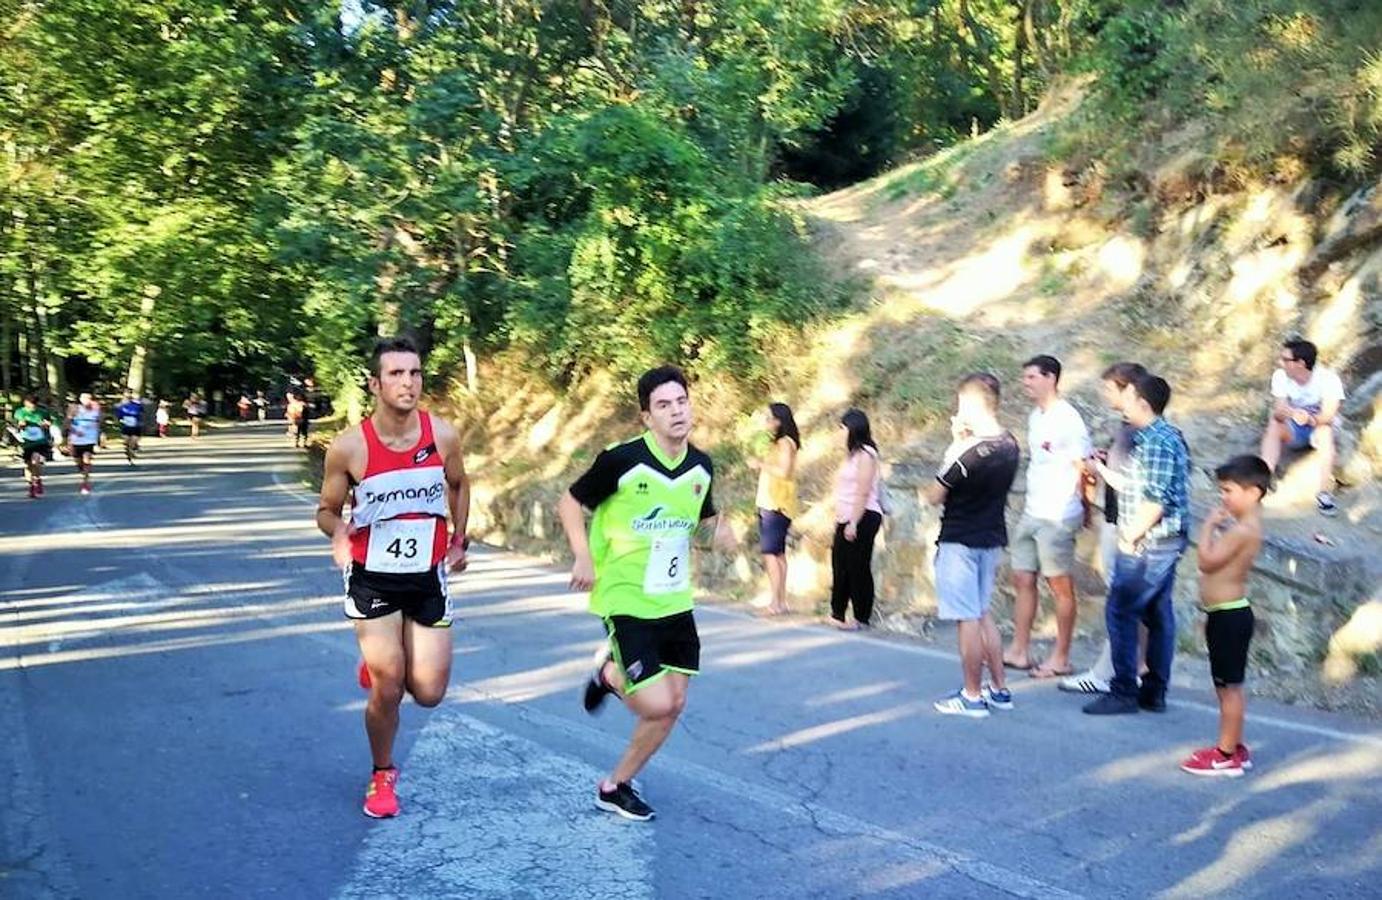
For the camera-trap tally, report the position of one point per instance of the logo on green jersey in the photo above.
(653, 523)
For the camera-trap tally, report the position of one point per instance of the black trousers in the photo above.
(851, 564)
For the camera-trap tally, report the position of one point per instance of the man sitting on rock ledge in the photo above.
(1305, 413)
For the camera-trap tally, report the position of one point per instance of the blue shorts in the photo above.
(964, 579)
(772, 532)
(1300, 435)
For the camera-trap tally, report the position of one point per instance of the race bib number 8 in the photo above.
(400, 546)
(669, 565)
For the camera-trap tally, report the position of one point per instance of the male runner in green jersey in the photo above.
(35, 441)
(649, 496)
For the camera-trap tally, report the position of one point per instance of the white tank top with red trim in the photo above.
(398, 510)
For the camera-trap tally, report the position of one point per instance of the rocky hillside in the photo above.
(980, 257)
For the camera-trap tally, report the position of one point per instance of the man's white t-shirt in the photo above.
(1056, 439)
(1324, 384)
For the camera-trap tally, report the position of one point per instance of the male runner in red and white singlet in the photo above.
(403, 472)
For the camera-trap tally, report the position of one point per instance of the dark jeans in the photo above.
(851, 564)
(1140, 591)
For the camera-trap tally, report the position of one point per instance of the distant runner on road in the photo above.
(35, 441)
(130, 412)
(649, 496)
(403, 472)
(83, 434)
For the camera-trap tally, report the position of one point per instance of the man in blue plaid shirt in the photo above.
(1153, 517)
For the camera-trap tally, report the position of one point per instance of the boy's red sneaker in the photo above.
(380, 800)
(363, 676)
(1209, 761)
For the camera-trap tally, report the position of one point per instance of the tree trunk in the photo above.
(1018, 101)
(472, 366)
(134, 379)
(6, 350)
(983, 53)
(53, 372)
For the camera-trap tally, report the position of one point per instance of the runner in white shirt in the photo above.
(1044, 540)
(1305, 413)
(83, 435)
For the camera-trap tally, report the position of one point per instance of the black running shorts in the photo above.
(83, 450)
(43, 449)
(1228, 633)
(647, 649)
(131, 430)
(420, 596)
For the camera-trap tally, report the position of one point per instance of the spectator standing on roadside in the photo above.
(1044, 541)
(858, 517)
(1115, 385)
(777, 499)
(972, 488)
(1153, 515)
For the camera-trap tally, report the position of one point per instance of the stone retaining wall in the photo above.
(1303, 594)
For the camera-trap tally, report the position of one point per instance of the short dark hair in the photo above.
(1247, 471)
(1124, 373)
(856, 422)
(396, 344)
(786, 423)
(1153, 389)
(653, 379)
(1303, 350)
(985, 385)
(31, 398)
(1046, 365)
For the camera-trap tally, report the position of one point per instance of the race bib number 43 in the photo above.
(400, 546)
(669, 565)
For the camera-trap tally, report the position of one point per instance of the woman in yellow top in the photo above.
(777, 498)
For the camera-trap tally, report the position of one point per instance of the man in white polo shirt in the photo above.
(1305, 413)
(1044, 541)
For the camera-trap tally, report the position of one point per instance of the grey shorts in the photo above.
(964, 579)
(1041, 545)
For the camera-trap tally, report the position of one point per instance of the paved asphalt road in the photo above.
(180, 719)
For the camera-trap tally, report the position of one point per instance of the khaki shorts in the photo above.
(1040, 545)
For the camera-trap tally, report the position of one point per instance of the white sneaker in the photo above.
(1084, 683)
(957, 704)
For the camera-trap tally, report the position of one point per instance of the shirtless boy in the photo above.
(1229, 541)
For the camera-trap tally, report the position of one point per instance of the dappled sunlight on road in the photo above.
(850, 694)
(839, 726)
(163, 646)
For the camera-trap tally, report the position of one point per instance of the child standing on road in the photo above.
(1229, 541)
(161, 417)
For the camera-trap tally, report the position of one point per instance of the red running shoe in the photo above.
(380, 800)
(1209, 761)
(363, 676)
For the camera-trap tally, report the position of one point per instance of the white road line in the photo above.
(1013, 883)
(296, 492)
(1354, 737)
(546, 840)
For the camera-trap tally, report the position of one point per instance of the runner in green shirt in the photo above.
(649, 496)
(35, 442)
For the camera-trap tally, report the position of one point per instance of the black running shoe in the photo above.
(1152, 703)
(595, 689)
(624, 801)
